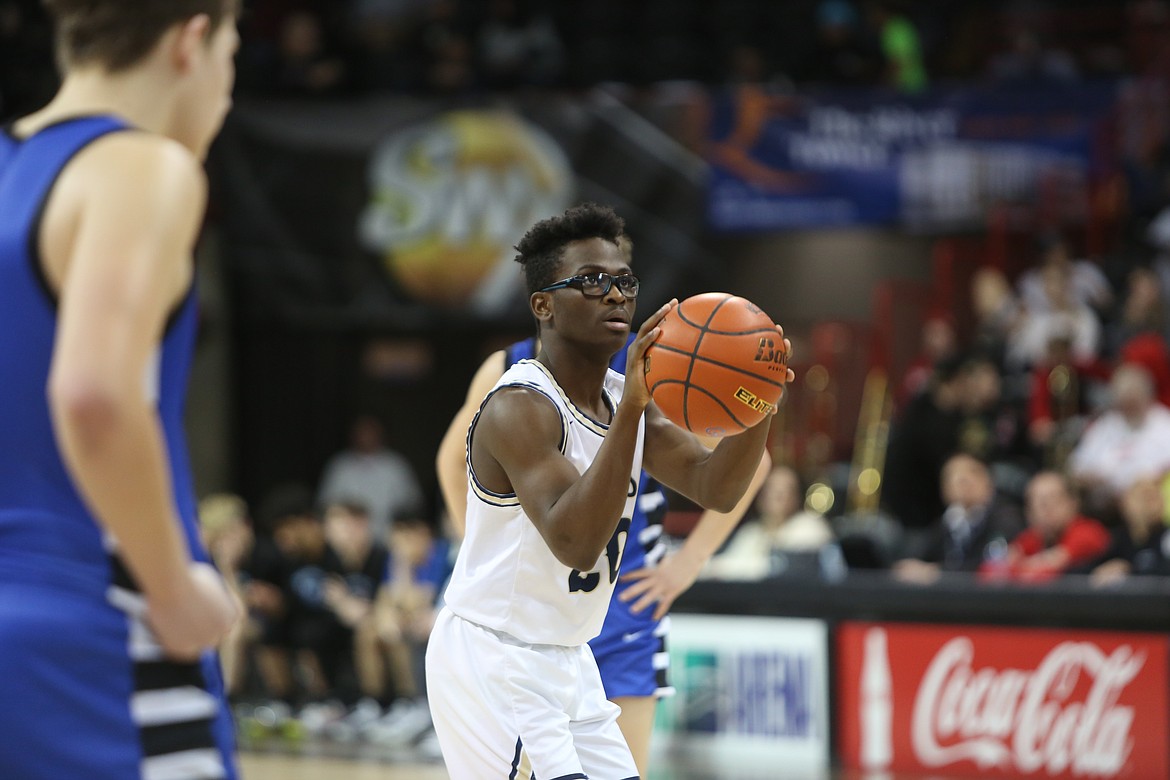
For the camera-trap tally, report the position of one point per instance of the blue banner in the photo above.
(781, 161)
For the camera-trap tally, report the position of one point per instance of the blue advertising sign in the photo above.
(781, 161)
(750, 692)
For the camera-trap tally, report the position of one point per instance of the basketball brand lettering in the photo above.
(777, 359)
(1027, 721)
(752, 307)
(753, 402)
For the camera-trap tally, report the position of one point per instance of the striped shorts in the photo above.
(86, 692)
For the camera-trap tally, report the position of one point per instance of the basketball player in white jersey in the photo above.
(554, 457)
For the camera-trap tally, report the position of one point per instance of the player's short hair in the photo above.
(117, 34)
(543, 246)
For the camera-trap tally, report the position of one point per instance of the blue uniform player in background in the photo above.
(631, 648)
(108, 609)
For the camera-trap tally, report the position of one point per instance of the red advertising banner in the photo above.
(1003, 702)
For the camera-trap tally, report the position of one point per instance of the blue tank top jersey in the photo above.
(41, 513)
(644, 545)
(73, 642)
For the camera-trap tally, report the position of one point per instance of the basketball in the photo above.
(718, 367)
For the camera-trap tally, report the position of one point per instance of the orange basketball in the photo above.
(718, 367)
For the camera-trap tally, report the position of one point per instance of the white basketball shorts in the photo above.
(506, 710)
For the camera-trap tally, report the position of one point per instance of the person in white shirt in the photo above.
(371, 474)
(1129, 442)
(782, 525)
(1062, 316)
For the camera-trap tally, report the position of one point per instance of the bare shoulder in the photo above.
(519, 417)
(145, 168)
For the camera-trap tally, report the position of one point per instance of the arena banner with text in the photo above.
(782, 161)
(751, 695)
(1002, 702)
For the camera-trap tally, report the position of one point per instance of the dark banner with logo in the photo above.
(782, 161)
(405, 212)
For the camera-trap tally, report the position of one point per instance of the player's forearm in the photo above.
(725, 476)
(451, 469)
(581, 522)
(114, 451)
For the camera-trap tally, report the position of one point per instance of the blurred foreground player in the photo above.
(107, 611)
(554, 457)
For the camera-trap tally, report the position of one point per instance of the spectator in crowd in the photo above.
(1056, 314)
(939, 343)
(1058, 401)
(1142, 311)
(782, 525)
(901, 47)
(446, 49)
(1129, 442)
(355, 565)
(996, 310)
(385, 57)
(227, 535)
(407, 603)
(1150, 351)
(267, 574)
(1081, 281)
(976, 526)
(933, 426)
(1141, 546)
(518, 46)
(1028, 63)
(304, 64)
(841, 57)
(374, 475)
(1058, 538)
(310, 629)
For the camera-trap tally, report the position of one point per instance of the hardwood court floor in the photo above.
(258, 766)
(255, 766)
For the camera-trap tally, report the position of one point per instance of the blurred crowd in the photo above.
(342, 585)
(1035, 447)
(323, 48)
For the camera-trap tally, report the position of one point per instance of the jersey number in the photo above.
(613, 554)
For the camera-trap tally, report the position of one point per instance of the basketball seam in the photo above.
(728, 366)
(714, 398)
(695, 354)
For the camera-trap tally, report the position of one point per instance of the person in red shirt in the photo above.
(1058, 538)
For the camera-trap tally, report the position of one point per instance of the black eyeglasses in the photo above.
(597, 284)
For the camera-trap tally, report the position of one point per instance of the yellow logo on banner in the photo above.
(452, 196)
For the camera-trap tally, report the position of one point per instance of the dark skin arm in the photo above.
(714, 479)
(517, 442)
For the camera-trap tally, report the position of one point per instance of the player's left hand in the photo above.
(662, 584)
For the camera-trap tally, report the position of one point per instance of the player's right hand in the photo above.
(635, 391)
(196, 616)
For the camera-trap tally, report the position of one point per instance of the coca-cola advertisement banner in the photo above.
(751, 695)
(1003, 702)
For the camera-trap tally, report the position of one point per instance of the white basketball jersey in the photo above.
(506, 577)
